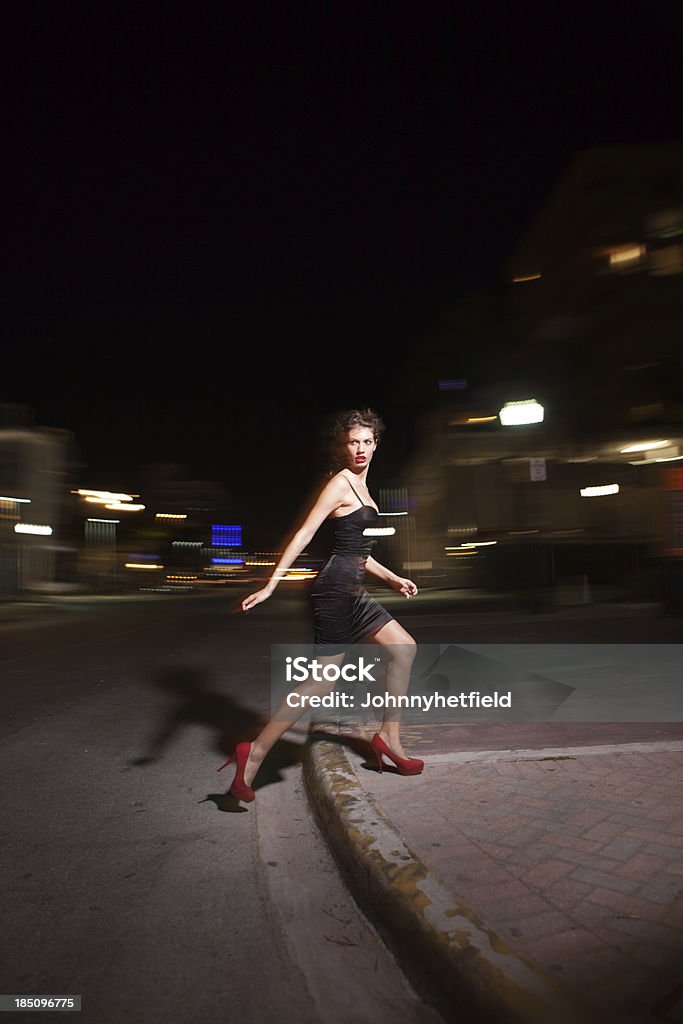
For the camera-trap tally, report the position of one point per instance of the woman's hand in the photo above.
(405, 587)
(256, 598)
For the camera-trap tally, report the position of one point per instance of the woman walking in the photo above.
(343, 612)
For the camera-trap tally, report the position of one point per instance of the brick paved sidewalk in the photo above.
(572, 854)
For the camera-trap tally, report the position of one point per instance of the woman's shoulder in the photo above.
(338, 483)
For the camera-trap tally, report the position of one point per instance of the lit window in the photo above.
(626, 255)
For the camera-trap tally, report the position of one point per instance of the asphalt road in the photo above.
(131, 878)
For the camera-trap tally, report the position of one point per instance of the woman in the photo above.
(343, 612)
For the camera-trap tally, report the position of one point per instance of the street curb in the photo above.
(451, 957)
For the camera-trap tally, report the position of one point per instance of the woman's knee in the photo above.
(404, 652)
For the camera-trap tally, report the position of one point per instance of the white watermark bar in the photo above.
(42, 1003)
(492, 683)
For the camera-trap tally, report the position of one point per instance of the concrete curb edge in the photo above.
(451, 957)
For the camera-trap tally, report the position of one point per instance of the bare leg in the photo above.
(400, 649)
(285, 717)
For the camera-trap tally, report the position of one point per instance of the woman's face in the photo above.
(358, 448)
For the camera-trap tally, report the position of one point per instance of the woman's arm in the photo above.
(329, 500)
(404, 586)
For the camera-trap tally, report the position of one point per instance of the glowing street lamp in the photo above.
(515, 413)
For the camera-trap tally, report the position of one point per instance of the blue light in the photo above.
(453, 385)
(227, 561)
(223, 536)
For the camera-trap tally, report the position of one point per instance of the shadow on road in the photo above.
(192, 703)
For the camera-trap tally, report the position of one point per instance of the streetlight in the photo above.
(516, 413)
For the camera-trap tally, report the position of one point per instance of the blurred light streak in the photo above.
(599, 491)
(525, 277)
(123, 506)
(226, 535)
(643, 447)
(631, 253)
(103, 496)
(142, 565)
(42, 531)
(298, 574)
(19, 501)
(379, 531)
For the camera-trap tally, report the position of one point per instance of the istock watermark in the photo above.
(303, 669)
(491, 683)
(366, 681)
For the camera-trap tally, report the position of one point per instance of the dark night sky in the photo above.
(186, 189)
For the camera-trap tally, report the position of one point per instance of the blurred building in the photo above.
(180, 519)
(56, 536)
(596, 290)
(593, 302)
(35, 463)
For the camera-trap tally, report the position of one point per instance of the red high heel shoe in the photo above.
(404, 765)
(239, 788)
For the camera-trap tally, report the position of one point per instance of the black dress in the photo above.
(343, 612)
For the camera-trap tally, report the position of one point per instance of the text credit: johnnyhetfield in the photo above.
(423, 702)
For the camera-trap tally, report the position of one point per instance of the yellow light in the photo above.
(525, 277)
(170, 515)
(480, 419)
(625, 254)
(644, 447)
(142, 565)
(298, 574)
(124, 506)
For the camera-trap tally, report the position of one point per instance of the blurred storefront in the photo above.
(34, 466)
(576, 505)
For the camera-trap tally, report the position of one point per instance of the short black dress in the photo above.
(343, 612)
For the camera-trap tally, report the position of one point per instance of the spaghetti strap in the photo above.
(356, 493)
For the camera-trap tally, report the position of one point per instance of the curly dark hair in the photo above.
(340, 423)
(349, 418)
